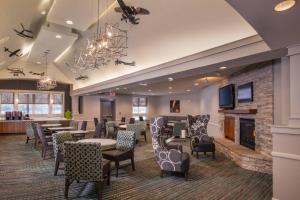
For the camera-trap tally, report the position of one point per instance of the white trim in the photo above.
(285, 130)
(274, 198)
(286, 155)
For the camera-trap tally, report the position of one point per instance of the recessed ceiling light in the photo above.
(125, 88)
(170, 88)
(170, 92)
(133, 92)
(188, 90)
(43, 12)
(284, 5)
(58, 36)
(149, 90)
(117, 88)
(143, 84)
(38, 62)
(223, 67)
(170, 79)
(69, 22)
(196, 84)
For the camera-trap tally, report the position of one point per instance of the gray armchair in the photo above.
(29, 131)
(172, 160)
(83, 161)
(199, 140)
(136, 128)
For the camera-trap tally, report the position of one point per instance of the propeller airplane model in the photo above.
(129, 13)
(118, 62)
(81, 78)
(16, 71)
(13, 53)
(37, 74)
(25, 33)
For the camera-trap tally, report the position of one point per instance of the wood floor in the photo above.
(24, 175)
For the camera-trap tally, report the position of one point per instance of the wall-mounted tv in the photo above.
(226, 97)
(245, 93)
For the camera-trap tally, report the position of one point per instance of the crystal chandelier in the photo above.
(107, 45)
(45, 82)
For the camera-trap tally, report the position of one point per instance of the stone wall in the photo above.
(262, 77)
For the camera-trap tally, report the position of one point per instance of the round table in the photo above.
(105, 143)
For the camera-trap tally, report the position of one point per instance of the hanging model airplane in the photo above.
(16, 71)
(129, 13)
(13, 53)
(37, 74)
(81, 78)
(25, 33)
(118, 62)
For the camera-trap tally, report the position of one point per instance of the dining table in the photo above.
(61, 128)
(105, 143)
(50, 125)
(123, 126)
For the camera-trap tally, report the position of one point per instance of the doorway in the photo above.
(108, 109)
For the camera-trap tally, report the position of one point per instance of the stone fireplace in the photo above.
(247, 133)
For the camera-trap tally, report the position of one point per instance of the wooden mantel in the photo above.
(239, 111)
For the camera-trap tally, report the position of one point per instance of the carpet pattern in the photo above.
(24, 175)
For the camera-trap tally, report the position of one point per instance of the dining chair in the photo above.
(111, 129)
(123, 119)
(96, 121)
(29, 132)
(46, 141)
(83, 125)
(136, 128)
(124, 150)
(84, 161)
(143, 125)
(99, 130)
(131, 120)
(59, 148)
(74, 125)
(141, 118)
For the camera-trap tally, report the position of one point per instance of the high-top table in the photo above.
(63, 128)
(77, 134)
(105, 143)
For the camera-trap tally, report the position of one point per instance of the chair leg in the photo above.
(117, 168)
(56, 167)
(145, 137)
(67, 184)
(42, 153)
(100, 187)
(132, 163)
(204, 153)
(27, 139)
(192, 152)
(45, 152)
(214, 155)
(197, 155)
(161, 173)
(186, 175)
(108, 177)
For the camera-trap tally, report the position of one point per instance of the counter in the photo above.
(18, 126)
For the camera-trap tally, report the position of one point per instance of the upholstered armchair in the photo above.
(29, 132)
(46, 141)
(136, 128)
(83, 161)
(83, 125)
(199, 140)
(111, 129)
(99, 129)
(143, 125)
(74, 125)
(124, 149)
(172, 160)
(59, 148)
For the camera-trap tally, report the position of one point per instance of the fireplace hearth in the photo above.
(247, 133)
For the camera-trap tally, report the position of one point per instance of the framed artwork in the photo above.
(175, 106)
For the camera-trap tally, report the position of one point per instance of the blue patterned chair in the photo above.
(136, 128)
(29, 131)
(172, 160)
(83, 161)
(199, 140)
(59, 148)
(124, 149)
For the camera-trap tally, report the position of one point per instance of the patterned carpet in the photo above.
(24, 175)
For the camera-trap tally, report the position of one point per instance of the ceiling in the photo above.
(278, 29)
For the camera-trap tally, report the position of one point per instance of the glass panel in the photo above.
(26, 108)
(143, 110)
(57, 109)
(7, 108)
(142, 101)
(135, 110)
(135, 101)
(25, 98)
(41, 109)
(42, 98)
(57, 99)
(7, 98)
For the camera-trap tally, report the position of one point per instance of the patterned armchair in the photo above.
(172, 160)
(197, 129)
(111, 129)
(143, 129)
(83, 161)
(29, 131)
(59, 148)
(136, 128)
(124, 149)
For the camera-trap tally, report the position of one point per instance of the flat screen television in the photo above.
(245, 93)
(226, 97)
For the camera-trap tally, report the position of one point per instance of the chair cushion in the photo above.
(117, 154)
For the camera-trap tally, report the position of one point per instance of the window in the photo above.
(7, 102)
(57, 106)
(139, 107)
(26, 103)
(41, 105)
